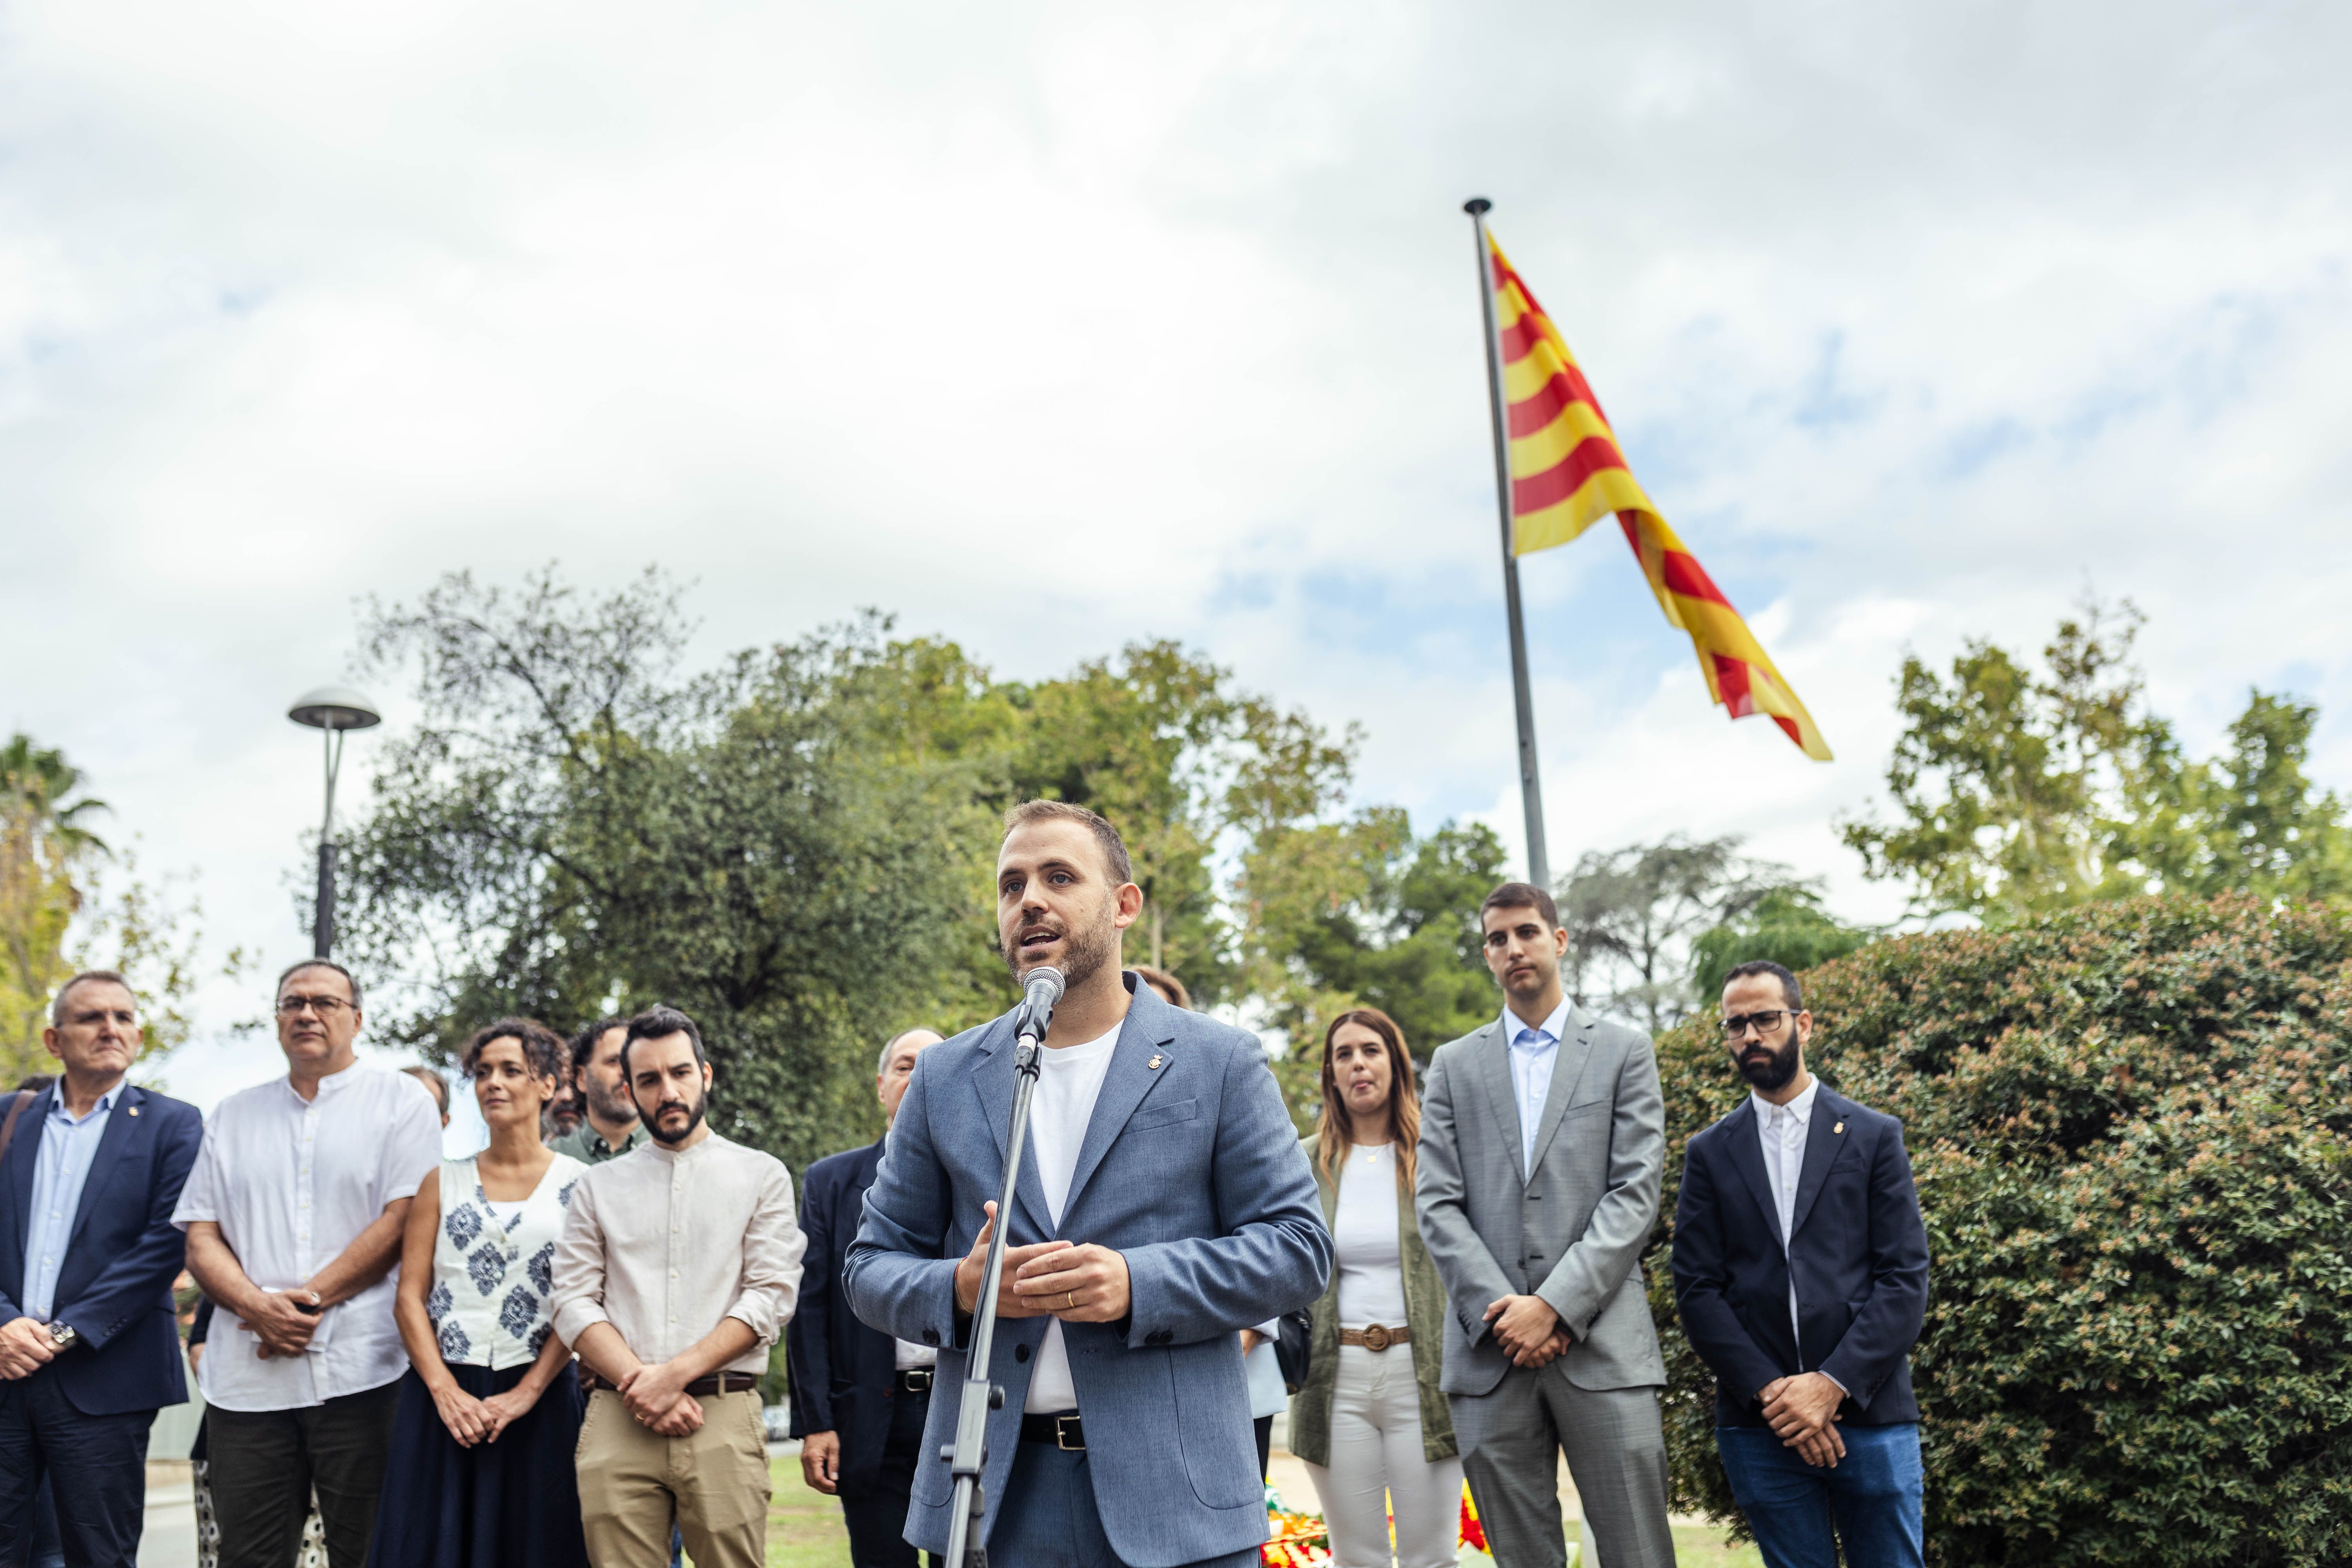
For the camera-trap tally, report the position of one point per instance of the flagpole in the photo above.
(1531, 785)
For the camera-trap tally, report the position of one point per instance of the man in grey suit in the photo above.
(1542, 1140)
(1162, 1206)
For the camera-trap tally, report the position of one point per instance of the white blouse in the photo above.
(493, 1273)
(1364, 1231)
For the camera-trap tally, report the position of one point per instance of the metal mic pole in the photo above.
(969, 1456)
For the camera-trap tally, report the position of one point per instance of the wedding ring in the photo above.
(1070, 1304)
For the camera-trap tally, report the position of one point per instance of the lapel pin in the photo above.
(1154, 1063)
(1839, 1128)
(133, 1108)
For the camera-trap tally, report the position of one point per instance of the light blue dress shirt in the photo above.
(68, 1147)
(1533, 1051)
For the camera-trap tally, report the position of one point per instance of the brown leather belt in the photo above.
(701, 1387)
(1376, 1338)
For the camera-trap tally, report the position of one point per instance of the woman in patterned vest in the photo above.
(481, 1473)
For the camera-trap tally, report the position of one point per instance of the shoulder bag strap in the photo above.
(23, 1098)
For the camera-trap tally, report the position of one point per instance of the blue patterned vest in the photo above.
(493, 1278)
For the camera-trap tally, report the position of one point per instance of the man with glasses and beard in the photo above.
(1801, 1274)
(1162, 1206)
(677, 1268)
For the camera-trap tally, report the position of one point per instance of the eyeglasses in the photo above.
(1766, 1023)
(325, 1006)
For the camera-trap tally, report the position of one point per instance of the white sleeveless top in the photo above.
(493, 1276)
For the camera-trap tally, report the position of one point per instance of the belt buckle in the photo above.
(1062, 1429)
(919, 1379)
(1376, 1338)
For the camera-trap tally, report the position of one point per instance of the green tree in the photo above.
(69, 902)
(1631, 914)
(2019, 792)
(1787, 925)
(573, 827)
(797, 847)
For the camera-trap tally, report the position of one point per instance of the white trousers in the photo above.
(1376, 1466)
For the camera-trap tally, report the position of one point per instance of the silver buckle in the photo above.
(1062, 1431)
(919, 1379)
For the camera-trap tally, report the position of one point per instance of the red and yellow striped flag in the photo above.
(1567, 470)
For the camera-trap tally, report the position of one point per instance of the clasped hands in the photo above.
(24, 1347)
(1076, 1283)
(657, 1397)
(1528, 1330)
(1802, 1412)
(283, 1321)
(473, 1421)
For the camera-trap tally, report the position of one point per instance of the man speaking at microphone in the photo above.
(1162, 1206)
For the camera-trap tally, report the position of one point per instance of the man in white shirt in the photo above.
(293, 1215)
(1163, 1207)
(859, 1397)
(678, 1267)
(1542, 1147)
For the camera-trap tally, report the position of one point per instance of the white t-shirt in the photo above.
(910, 1355)
(1069, 1079)
(1364, 1233)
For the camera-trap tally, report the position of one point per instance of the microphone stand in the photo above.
(969, 1455)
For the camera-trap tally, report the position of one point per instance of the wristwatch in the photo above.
(65, 1336)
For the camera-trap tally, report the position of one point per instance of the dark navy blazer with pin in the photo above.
(1857, 1246)
(123, 1252)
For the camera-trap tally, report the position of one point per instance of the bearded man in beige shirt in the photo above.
(678, 1267)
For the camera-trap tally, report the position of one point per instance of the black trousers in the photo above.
(96, 1466)
(877, 1518)
(266, 1463)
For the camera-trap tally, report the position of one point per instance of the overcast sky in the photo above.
(1049, 328)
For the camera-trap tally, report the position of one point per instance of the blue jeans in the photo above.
(1800, 1512)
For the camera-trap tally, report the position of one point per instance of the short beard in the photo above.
(1085, 950)
(612, 1108)
(671, 1140)
(1774, 1072)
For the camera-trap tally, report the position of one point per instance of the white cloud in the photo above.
(1053, 326)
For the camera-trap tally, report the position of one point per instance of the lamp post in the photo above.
(330, 710)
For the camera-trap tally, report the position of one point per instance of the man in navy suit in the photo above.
(1162, 1206)
(1800, 1273)
(859, 1397)
(90, 1348)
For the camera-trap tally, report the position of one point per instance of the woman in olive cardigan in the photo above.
(1371, 1422)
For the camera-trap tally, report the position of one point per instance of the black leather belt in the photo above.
(912, 1380)
(701, 1387)
(1063, 1431)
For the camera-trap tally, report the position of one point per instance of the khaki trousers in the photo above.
(634, 1482)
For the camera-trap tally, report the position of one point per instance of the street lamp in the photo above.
(330, 710)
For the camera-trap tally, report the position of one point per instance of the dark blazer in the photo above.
(841, 1370)
(1857, 1247)
(121, 1256)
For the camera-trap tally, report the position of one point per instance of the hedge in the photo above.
(2132, 1130)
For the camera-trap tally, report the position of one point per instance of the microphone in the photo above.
(1042, 988)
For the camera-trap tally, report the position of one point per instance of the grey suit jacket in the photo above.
(1570, 1231)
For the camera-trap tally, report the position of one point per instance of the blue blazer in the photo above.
(121, 1256)
(841, 1370)
(1191, 1170)
(1857, 1247)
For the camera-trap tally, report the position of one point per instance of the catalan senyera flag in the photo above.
(1567, 471)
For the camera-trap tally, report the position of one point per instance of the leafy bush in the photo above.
(2131, 1125)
